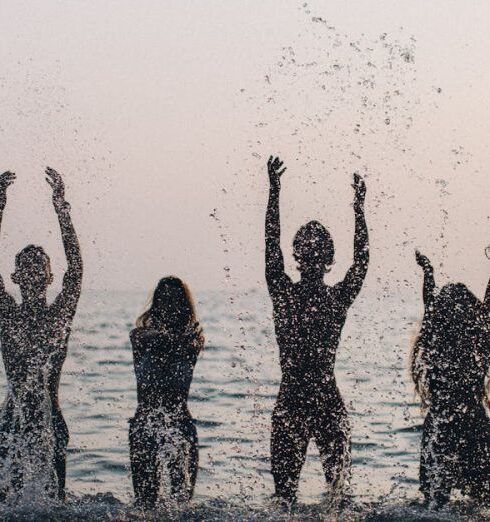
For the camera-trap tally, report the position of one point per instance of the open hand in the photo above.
(6, 179)
(422, 260)
(275, 172)
(56, 183)
(359, 187)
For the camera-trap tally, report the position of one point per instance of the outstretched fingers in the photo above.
(359, 187)
(274, 166)
(7, 178)
(52, 174)
(277, 163)
(422, 260)
(54, 179)
(359, 183)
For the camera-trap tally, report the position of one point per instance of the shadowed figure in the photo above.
(162, 434)
(450, 362)
(34, 339)
(308, 318)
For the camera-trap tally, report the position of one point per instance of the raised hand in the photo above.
(359, 187)
(275, 172)
(56, 183)
(6, 179)
(422, 261)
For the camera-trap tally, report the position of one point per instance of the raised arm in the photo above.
(274, 260)
(6, 179)
(486, 299)
(429, 290)
(487, 295)
(72, 281)
(352, 283)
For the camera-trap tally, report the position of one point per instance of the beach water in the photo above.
(232, 395)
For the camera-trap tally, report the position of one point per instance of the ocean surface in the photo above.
(232, 395)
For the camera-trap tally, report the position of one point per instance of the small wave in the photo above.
(106, 507)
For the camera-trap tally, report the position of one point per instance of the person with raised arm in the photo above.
(308, 318)
(34, 340)
(450, 363)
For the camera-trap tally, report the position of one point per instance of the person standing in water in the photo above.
(308, 319)
(450, 362)
(34, 340)
(162, 434)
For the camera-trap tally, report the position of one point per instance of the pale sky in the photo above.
(159, 112)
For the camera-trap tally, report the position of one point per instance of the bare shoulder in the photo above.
(141, 333)
(136, 333)
(8, 305)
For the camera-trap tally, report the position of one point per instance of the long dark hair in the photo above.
(313, 246)
(171, 308)
(451, 354)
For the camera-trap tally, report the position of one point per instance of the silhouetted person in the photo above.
(308, 318)
(162, 434)
(34, 339)
(450, 361)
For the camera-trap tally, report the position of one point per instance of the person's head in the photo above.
(456, 306)
(32, 270)
(450, 354)
(313, 249)
(171, 308)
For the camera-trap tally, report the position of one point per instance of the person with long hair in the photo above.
(449, 365)
(308, 318)
(162, 434)
(34, 339)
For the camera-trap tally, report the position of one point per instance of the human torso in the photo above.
(34, 347)
(308, 323)
(164, 369)
(458, 363)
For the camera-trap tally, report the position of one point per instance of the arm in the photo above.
(274, 260)
(72, 280)
(429, 290)
(353, 280)
(6, 179)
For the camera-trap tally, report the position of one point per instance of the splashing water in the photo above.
(27, 475)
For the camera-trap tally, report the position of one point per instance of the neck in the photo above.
(33, 299)
(312, 276)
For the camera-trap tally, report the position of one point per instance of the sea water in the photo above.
(232, 395)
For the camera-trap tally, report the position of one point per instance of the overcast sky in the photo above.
(161, 116)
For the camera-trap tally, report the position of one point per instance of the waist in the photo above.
(176, 409)
(307, 389)
(306, 378)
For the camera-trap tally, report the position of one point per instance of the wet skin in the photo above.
(164, 365)
(308, 318)
(452, 359)
(34, 339)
